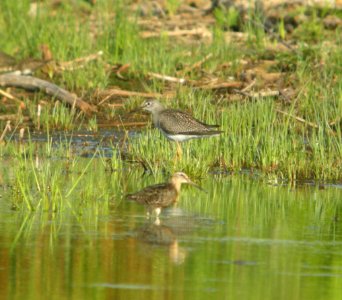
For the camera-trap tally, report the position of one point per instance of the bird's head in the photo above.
(151, 105)
(181, 177)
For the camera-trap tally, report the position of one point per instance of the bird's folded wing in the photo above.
(175, 122)
(209, 132)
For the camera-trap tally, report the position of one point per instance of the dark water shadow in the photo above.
(82, 143)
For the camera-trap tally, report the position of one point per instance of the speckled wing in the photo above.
(177, 122)
(159, 195)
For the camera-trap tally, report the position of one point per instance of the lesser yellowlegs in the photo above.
(177, 125)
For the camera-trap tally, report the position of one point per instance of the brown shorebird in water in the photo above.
(177, 125)
(159, 196)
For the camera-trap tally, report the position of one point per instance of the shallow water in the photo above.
(243, 239)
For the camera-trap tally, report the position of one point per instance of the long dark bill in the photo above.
(197, 186)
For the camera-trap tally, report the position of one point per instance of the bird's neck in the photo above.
(155, 115)
(155, 119)
(176, 185)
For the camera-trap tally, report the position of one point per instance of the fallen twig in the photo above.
(261, 94)
(123, 93)
(335, 122)
(212, 85)
(121, 69)
(13, 117)
(248, 87)
(7, 128)
(10, 96)
(181, 22)
(195, 65)
(299, 119)
(78, 62)
(202, 32)
(221, 85)
(167, 78)
(115, 105)
(34, 84)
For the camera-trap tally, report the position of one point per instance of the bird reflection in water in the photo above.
(165, 236)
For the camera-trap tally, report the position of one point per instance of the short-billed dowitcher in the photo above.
(159, 196)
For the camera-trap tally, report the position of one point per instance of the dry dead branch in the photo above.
(36, 84)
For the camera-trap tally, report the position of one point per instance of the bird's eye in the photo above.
(148, 103)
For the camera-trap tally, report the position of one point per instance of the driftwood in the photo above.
(36, 84)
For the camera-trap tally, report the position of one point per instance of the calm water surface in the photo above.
(242, 240)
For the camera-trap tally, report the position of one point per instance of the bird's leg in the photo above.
(179, 152)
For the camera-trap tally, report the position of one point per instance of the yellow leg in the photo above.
(179, 152)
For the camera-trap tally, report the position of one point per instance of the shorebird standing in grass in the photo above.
(177, 125)
(159, 196)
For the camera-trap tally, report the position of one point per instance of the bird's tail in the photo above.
(130, 197)
(213, 126)
(203, 133)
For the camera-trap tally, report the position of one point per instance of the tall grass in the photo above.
(256, 136)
